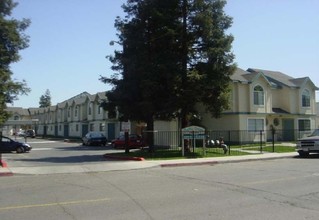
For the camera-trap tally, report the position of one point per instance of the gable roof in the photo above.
(281, 79)
(243, 76)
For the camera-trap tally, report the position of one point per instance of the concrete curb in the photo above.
(224, 160)
(109, 156)
(3, 163)
(188, 164)
(4, 171)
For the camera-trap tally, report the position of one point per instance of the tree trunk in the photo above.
(149, 134)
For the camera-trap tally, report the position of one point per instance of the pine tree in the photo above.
(45, 100)
(175, 55)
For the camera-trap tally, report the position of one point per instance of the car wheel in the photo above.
(303, 154)
(20, 150)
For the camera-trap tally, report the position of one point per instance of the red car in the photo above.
(135, 141)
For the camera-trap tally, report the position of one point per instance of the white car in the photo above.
(308, 144)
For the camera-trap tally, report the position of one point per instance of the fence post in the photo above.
(229, 142)
(261, 141)
(273, 131)
(0, 152)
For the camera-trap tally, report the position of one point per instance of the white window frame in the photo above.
(259, 96)
(305, 98)
(256, 125)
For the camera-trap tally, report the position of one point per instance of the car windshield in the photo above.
(96, 135)
(315, 133)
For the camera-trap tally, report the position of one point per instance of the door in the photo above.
(111, 131)
(66, 130)
(288, 133)
(85, 129)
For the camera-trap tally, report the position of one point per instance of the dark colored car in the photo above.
(133, 142)
(9, 145)
(94, 138)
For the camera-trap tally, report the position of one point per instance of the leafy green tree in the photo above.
(12, 39)
(45, 100)
(175, 55)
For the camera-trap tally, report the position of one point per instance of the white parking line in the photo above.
(40, 142)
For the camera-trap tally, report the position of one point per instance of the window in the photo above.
(102, 126)
(304, 124)
(76, 111)
(258, 95)
(76, 127)
(305, 98)
(91, 127)
(100, 109)
(255, 124)
(90, 108)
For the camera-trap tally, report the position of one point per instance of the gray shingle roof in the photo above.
(282, 79)
(275, 78)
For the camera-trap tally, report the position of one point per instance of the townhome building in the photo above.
(262, 103)
(72, 118)
(267, 101)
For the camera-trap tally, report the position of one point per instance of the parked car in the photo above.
(9, 145)
(30, 133)
(20, 133)
(94, 138)
(308, 144)
(133, 142)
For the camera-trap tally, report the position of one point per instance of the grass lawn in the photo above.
(164, 154)
(277, 149)
(172, 154)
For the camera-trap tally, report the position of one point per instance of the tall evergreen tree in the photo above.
(45, 100)
(148, 62)
(12, 39)
(175, 55)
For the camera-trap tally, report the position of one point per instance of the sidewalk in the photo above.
(117, 165)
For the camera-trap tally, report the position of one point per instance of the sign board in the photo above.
(193, 133)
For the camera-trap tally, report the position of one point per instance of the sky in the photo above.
(69, 42)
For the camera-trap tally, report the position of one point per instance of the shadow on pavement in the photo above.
(311, 156)
(65, 160)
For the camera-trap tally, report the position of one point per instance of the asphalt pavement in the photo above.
(116, 164)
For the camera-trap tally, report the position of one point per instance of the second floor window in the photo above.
(259, 95)
(90, 108)
(305, 98)
(76, 111)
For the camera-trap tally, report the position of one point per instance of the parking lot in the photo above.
(55, 152)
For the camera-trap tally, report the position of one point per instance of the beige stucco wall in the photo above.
(241, 101)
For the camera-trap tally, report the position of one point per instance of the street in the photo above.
(269, 189)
